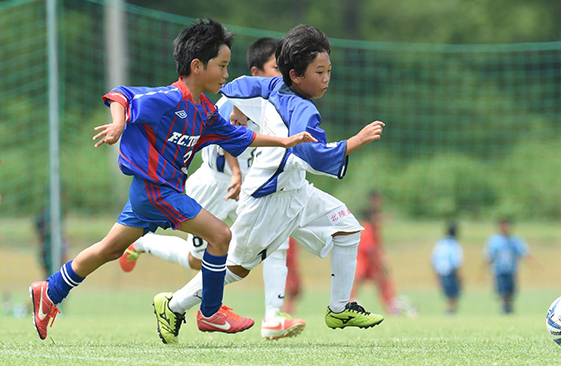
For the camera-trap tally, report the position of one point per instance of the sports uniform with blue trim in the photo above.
(164, 130)
(278, 176)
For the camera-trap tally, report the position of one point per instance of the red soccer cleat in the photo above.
(128, 259)
(225, 321)
(43, 308)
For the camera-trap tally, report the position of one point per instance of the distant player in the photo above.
(276, 200)
(162, 128)
(209, 186)
(503, 252)
(293, 281)
(446, 259)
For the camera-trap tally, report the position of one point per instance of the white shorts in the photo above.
(208, 188)
(308, 215)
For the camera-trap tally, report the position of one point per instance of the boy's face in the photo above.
(215, 74)
(270, 69)
(315, 81)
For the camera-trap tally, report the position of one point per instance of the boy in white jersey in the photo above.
(276, 201)
(210, 185)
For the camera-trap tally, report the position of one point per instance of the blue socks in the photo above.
(61, 282)
(213, 271)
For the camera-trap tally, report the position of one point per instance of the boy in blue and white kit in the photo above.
(503, 252)
(214, 185)
(162, 128)
(447, 257)
(276, 201)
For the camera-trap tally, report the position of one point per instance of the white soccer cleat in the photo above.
(281, 326)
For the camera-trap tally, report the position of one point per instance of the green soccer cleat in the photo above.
(354, 315)
(168, 321)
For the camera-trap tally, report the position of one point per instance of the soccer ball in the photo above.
(553, 321)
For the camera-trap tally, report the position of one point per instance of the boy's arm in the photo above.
(110, 133)
(369, 133)
(286, 142)
(236, 180)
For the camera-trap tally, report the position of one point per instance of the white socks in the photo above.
(190, 295)
(169, 248)
(343, 268)
(274, 278)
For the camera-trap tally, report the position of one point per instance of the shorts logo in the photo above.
(339, 214)
(181, 114)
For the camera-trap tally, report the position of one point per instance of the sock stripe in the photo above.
(216, 269)
(222, 265)
(67, 278)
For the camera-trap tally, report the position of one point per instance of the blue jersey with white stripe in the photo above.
(280, 111)
(164, 130)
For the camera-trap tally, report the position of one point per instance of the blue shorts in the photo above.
(450, 285)
(505, 284)
(151, 206)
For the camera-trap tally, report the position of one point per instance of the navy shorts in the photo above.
(450, 285)
(505, 284)
(151, 206)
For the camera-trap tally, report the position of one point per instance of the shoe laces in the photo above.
(228, 313)
(132, 255)
(354, 306)
(283, 315)
(53, 313)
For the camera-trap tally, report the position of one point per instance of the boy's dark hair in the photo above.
(299, 48)
(260, 52)
(202, 41)
(452, 229)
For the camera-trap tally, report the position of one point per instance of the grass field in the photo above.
(109, 319)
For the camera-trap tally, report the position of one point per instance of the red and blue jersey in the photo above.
(165, 129)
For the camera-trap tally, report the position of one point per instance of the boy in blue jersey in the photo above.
(214, 185)
(503, 252)
(162, 128)
(446, 260)
(276, 201)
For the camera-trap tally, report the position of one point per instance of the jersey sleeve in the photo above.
(142, 104)
(234, 139)
(320, 157)
(250, 94)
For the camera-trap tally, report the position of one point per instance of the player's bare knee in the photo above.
(221, 240)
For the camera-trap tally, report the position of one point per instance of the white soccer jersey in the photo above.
(213, 155)
(279, 111)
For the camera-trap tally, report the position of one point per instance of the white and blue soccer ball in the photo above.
(553, 321)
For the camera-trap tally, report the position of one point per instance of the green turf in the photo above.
(119, 328)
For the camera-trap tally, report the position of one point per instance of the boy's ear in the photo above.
(295, 78)
(196, 66)
(254, 71)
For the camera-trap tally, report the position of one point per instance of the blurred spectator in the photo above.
(503, 252)
(371, 261)
(293, 282)
(447, 257)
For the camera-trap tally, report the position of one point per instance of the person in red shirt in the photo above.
(371, 260)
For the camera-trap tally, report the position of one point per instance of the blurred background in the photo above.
(470, 92)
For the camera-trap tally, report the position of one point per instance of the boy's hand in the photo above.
(298, 139)
(370, 132)
(234, 188)
(110, 133)
(237, 118)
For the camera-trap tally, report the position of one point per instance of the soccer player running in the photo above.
(276, 201)
(209, 186)
(162, 128)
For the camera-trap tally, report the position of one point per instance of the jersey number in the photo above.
(198, 241)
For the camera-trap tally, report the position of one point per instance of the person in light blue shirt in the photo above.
(503, 252)
(446, 258)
